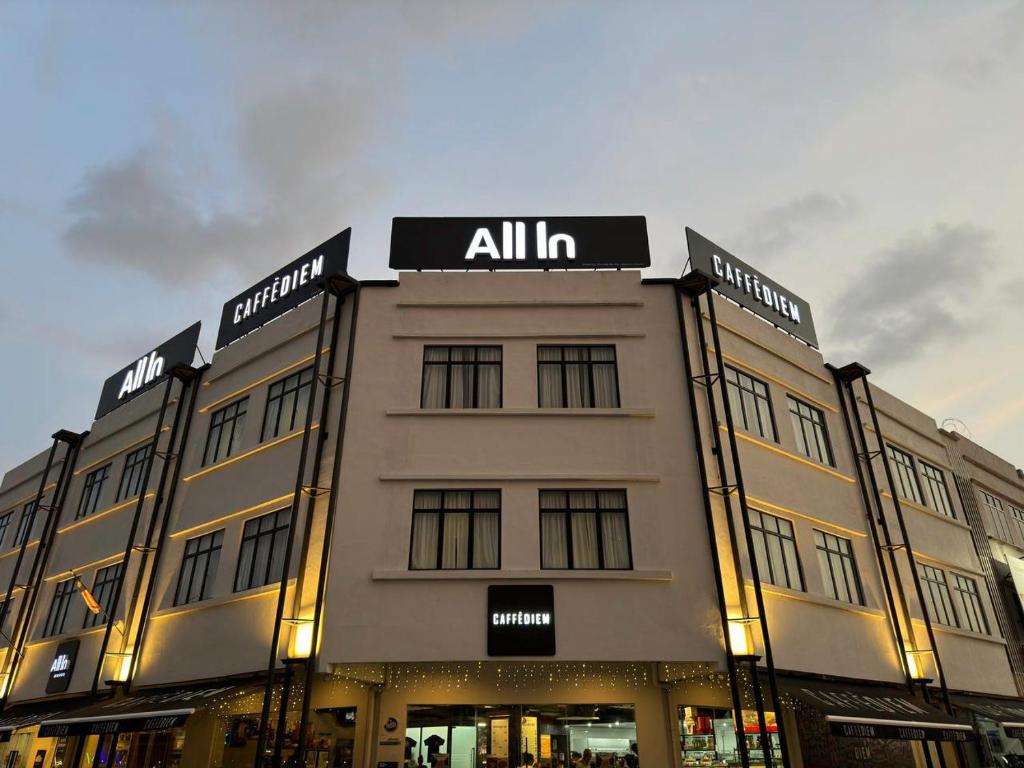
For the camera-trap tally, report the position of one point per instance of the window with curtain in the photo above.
(750, 404)
(999, 526)
(261, 557)
(585, 530)
(969, 601)
(92, 490)
(577, 377)
(936, 596)
(134, 469)
(103, 590)
(287, 402)
(62, 596)
(810, 430)
(905, 473)
(5, 523)
(1016, 513)
(775, 550)
(938, 491)
(25, 523)
(461, 377)
(457, 529)
(198, 567)
(225, 435)
(838, 567)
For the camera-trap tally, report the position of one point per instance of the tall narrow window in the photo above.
(938, 491)
(969, 601)
(461, 377)
(92, 491)
(811, 431)
(750, 404)
(1016, 513)
(25, 523)
(456, 530)
(226, 428)
(287, 401)
(198, 568)
(577, 377)
(62, 597)
(775, 549)
(261, 558)
(838, 567)
(585, 530)
(103, 590)
(134, 469)
(936, 596)
(5, 523)
(998, 525)
(905, 474)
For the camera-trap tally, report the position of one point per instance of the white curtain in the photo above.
(486, 535)
(606, 390)
(584, 540)
(424, 539)
(462, 377)
(434, 377)
(455, 549)
(616, 540)
(554, 546)
(488, 377)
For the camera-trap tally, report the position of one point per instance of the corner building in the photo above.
(482, 518)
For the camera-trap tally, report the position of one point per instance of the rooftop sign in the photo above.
(749, 288)
(520, 242)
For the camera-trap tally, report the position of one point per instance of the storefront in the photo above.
(999, 727)
(22, 745)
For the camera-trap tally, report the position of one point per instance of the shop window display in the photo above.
(707, 737)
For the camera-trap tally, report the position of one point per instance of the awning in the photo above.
(876, 712)
(148, 711)
(18, 716)
(1008, 713)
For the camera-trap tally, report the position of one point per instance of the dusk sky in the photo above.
(158, 158)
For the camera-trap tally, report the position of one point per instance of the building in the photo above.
(471, 516)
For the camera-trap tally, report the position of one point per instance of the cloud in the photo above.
(917, 292)
(775, 229)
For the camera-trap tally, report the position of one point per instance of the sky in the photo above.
(156, 159)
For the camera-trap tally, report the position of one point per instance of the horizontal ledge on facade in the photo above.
(774, 352)
(24, 499)
(787, 454)
(247, 454)
(765, 375)
(539, 335)
(488, 477)
(962, 632)
(384, 574)
(110, 456)
(280, 500)
(103, 513)
(643, 413)
(826, 602)
(220, 602)
(15, 550)
(69, 635)
(254, 384)
(931, 512)
(767, 506)
(519, 303)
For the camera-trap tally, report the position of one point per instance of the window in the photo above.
(226, 428)
(775, 550)
(577, 377)
(5, 522)
(456, 529)
(461, 377)
(905, 474)
(811, 432)
(261, 560)
(134, 467)
(198, 568)
(103, 590)
(938, 491)
(967, 597)
(749, 403)
(936, 596)
(1000, 526)
(838, 567)
(62, 597)
(584, 529)
(287, 401)
(92, 491)
(1017, 514)
(28, 517)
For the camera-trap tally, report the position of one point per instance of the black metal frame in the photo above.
(87, 488)
(857, 584)
(440, 532)
(567, 513)
(195, 556)
(831, 454)
(312, 391)
(562, 363)
(233, 419)
(796, 550)
(267, 578)
(476, 372)
(767, 398)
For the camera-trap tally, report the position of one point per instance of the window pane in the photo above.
(615, 539)
(584, 540)
(486, 530)
(455, 549)
(554, 544)
(425, 526)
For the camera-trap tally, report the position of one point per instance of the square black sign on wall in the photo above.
(520, 620)
(62, 667)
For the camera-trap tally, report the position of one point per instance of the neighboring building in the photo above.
(504, 513)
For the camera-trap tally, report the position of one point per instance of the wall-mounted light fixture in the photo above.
(740, 641)
(917, 661)
(121, 666)
(302, 637)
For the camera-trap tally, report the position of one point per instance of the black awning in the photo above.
(876, 712)
(1008, 713)
(18, 716)
(146, 711)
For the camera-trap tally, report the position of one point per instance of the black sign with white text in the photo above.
(520, 242)
(520, 620)
(148, 370)
(62, 667)
(290, 286)
(750, 289)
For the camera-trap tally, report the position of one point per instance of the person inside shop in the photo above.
(633, 756)
(586, 760)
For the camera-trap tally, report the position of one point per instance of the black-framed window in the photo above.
(998, 516)
(456, 529)
(838, 567)
(461, 377)
(261, 559)
(5, 523)
(226, 427)
(287, 403)
(938, 491)
(905, 474)
(811, 431)
(198, 567)
(103, 590)
(775, 550)
(585, 530)
(63, 594)
(969, 601)
(134, 469)
(92, 490)
(1016, 513)
(750, 404)
(577, 377)
(25, 523)
(936, 596)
